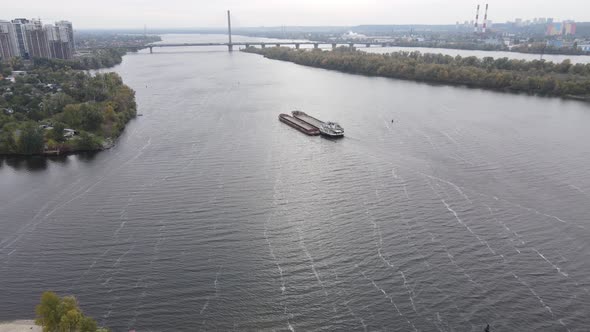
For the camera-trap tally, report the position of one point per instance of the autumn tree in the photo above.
(57, 314)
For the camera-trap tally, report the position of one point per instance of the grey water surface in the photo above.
(471, 207)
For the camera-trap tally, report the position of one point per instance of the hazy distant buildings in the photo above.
(32, 39)
(566, 28)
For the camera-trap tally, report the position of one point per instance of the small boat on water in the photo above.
(328, 129)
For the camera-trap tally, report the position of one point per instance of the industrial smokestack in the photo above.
(485, 20)
(475, 27)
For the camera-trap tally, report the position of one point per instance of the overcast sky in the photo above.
(210, 13)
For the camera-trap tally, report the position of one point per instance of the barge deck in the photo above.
(300, 125)
(308, 119)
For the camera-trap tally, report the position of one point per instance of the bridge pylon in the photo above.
(230, 46)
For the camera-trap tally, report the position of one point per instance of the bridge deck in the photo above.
(263, 43)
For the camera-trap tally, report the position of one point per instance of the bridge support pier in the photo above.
(315, 46)
(296, 46)
(263, 45)
(278, 45)
(384, 45)
(351, 45)
(230, 47)
(247, 45)
(333, 46)
(151, 50)
(368, 45)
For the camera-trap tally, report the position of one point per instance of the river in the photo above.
(443, 208)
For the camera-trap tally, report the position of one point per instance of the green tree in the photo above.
(88, 324)
(87, 142)
(30, 140)
(55, 103)
(5, 70)
(57, 133)
(48, 315)
(71, 316)
(71, 115)
(57, 314)
(8, 143)
(90, 117)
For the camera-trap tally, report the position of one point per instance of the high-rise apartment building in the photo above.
(19, 26)
(37, 43)
(68, 25)
(8, 41)
(58, 38)
(32, 39)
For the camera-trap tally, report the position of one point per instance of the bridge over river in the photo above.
(264, 44)
(230, 45)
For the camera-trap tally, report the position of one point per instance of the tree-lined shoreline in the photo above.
(537, 77)
(54, 106)
(55, 110)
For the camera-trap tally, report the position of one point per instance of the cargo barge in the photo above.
(300, 125)
(307, 118)
(327, 129)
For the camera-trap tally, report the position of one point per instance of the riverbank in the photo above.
(20, 326)
(532, 77)
(66, 150)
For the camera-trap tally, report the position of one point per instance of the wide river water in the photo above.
(443, 208)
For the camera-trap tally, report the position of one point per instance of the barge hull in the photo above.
(308, 119)
(300, 125)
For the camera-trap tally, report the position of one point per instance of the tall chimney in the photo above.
(475, 27)
(485, 20)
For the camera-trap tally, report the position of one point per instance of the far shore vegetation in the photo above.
(95, 59)
(537, 77)
(530, 48)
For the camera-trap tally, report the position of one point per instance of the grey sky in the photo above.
(200, 13)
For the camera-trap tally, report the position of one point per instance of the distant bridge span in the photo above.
(264, 44)
(230, 45)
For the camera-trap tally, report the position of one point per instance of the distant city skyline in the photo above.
(109, 14)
